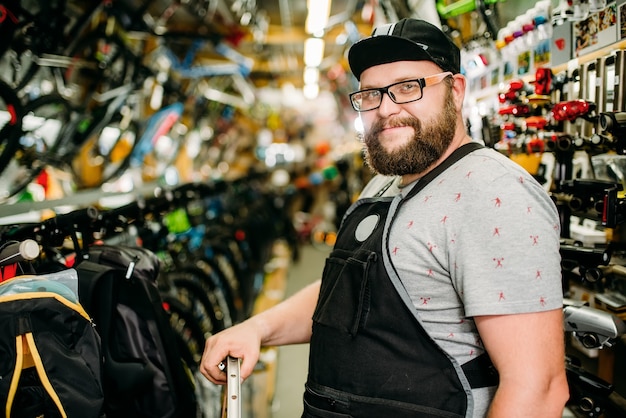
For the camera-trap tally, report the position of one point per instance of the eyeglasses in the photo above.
(401, 92)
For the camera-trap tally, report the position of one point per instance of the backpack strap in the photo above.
(19, 365)
(41, 372)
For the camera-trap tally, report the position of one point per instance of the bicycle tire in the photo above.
(236, 268)
(36, 143)
(185, 325)
(227, 274)
(214, 287)
(197, 300)
(105, 154)
(159, 145)
(100, 63)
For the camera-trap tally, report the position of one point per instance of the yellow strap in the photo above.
(36, 295)
(27, 358)
(16, 375)
(42, 374)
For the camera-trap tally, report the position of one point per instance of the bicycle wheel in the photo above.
(10, 123)
(213, 286)
(228, 276)
(185, 325)
(99, 65)
(35, 33)
(224, 249)
(160, 142)
(105, 154)
(194, 296)
(35, 144)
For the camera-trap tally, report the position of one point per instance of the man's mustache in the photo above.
(383, 124)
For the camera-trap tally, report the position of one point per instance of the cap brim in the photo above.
(384, 49)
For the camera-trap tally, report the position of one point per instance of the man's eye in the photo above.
(370, 95)
(409, 87)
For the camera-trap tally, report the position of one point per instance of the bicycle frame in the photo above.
(238, 67)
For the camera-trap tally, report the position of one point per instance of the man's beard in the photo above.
(428, 144)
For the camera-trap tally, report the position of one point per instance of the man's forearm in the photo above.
(290, 321)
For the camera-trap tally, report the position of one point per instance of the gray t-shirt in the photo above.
(481, 239)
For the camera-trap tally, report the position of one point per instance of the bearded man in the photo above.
(442, 296)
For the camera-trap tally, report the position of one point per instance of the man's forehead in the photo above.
(399, 70)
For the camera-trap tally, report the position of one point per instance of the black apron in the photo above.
(369, 354)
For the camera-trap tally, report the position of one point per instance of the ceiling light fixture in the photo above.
(316, 22)
(311, 82)
(311, 75)
(317, 17)
(311, 91)
(313, 52)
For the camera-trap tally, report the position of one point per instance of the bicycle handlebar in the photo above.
(594, 328)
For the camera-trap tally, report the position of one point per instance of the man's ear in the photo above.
(458, 88)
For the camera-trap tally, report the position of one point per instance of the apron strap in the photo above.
(458, 153)
(480, 372)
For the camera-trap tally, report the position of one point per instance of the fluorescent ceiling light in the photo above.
(317, 18)
(311, 75)
(313, 52)
(311, 91)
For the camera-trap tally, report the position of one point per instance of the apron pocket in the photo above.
(344, 294)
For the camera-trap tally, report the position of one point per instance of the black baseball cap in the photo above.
(406, 40)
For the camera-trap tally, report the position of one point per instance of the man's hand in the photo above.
(241, 341)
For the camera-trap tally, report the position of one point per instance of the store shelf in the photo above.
(22, 212)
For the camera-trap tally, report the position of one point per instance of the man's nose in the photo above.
(387, 105)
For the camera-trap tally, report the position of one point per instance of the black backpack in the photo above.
(144, 375)
(50, 361)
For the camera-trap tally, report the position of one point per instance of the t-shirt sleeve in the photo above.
(508, 258)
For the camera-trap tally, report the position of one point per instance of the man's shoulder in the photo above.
(495, 163)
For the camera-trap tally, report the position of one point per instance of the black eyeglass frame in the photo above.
(422, 82)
